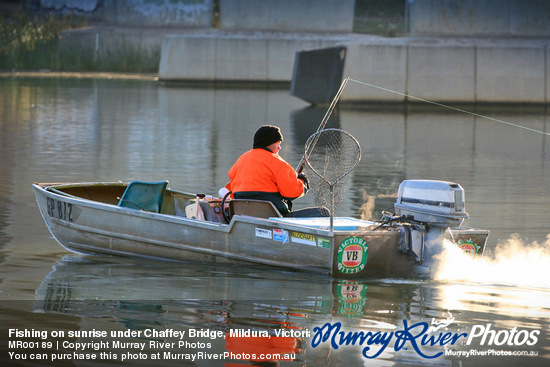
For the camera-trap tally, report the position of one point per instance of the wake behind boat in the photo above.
(149, 220)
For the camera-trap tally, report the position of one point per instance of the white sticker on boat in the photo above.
(263, 233)
(280, 235)
(306, 239)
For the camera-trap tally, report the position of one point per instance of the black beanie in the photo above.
(267, 135)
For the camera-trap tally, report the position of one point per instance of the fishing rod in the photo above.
(311, 144)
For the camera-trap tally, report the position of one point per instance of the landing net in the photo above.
(333, 155)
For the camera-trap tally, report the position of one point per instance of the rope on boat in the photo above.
(388, 221)
(450, 107)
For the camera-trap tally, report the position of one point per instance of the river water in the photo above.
(55, 129)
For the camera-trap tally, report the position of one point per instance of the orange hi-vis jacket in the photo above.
(261, 171)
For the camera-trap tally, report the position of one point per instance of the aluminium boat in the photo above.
(150, 220)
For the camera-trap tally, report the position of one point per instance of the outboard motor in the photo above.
(430, 211)
(438, 203)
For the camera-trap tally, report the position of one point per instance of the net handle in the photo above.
(324, 121)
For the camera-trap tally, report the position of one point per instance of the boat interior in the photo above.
(157, 197)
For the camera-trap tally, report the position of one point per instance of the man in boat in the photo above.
(261, 174)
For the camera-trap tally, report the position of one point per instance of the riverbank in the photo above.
(78, 75)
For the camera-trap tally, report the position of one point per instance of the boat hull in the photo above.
(91, 227)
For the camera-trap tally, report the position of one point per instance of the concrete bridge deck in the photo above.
(508, 70)
(443, 69)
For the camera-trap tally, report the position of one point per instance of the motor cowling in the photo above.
(437, 203)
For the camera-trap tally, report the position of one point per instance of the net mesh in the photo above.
(331, 154)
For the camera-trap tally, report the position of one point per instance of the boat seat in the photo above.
(253, 208)
(142, 195)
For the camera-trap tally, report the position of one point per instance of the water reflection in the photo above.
(61, 130)
(89, 130)
(148, 297)
(145, 296)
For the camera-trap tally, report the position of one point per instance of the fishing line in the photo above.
(450, 107)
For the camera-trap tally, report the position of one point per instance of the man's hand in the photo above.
(302, 176)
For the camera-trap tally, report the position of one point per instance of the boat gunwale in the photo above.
(53, 189)
(122, 210)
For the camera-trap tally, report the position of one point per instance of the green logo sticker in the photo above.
(352, 255)
(323, 242)
(469, 246)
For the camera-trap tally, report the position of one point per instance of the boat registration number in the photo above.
(59, 209)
